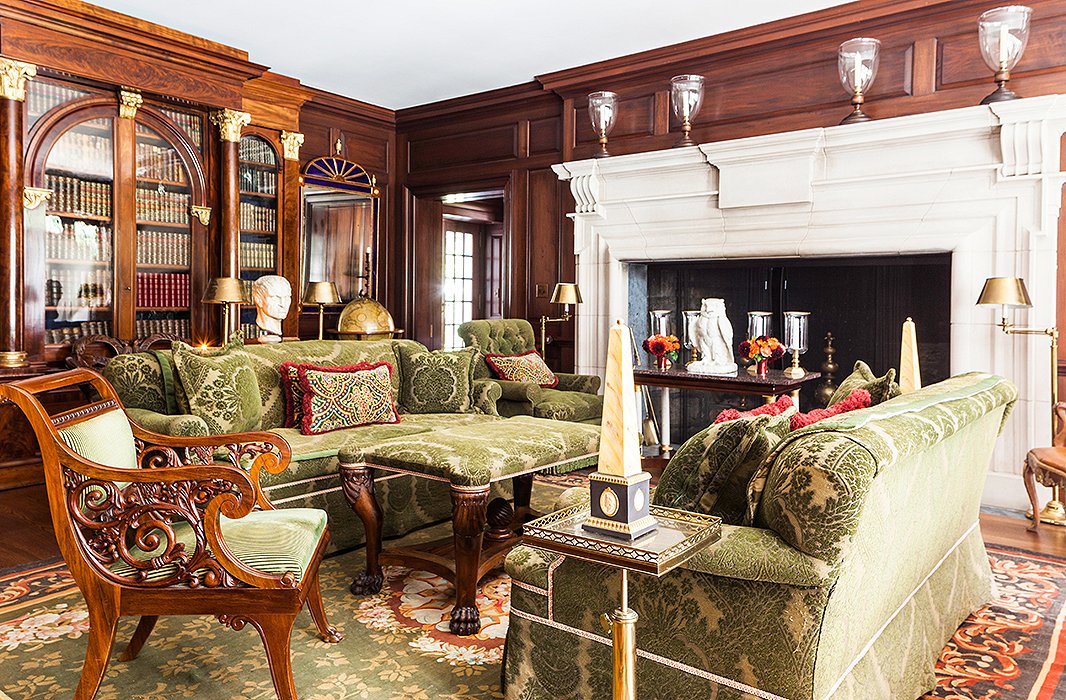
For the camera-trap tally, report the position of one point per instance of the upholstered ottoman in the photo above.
(469, 458)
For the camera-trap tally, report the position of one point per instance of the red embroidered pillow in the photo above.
(293, 392)
(860, 398)
(767, 409)
(346, 397)
(528, 367)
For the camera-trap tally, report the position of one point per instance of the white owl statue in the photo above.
(714, 338)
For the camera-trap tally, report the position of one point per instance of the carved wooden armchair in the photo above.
(1048, 466)
(151, 525)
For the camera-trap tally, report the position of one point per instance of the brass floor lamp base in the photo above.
(1053, 513)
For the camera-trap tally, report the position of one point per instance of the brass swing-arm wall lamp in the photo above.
(566, 293)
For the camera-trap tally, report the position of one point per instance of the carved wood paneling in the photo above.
(494, 143)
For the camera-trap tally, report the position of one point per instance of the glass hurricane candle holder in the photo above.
(686, 97)
(603, 108)
(690, 334)
(1003, 34)
(797, 327)
(857, 61)
(660, 321)
(759, 323)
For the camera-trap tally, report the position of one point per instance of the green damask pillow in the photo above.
(880, 388)
(221, 387)
(711, 471)
(438, 381)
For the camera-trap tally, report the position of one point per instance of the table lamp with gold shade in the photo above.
(1010, 292)
(321, 293)
(566, 293)
(226, 291)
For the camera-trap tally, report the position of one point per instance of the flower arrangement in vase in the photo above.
(762, 350)
(664, 348)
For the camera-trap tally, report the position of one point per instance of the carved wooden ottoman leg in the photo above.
(469, 515)
(357, 481)
(523, 489)
(1029, 477)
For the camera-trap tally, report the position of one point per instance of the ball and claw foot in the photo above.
(465, 621)
(331, 635)
(366, 584)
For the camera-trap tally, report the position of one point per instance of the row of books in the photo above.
(166, 207)
(42, 96)
(192, 124)
(77, 196)
(180, 327)
(156, 289)
(159, 163)
(78, 242)
(256, 217)
(256, 150)
(258, 254)
(250, 330)
(73, 288)
(164, 248)
(68, 334)
(82, 153)
(259, 180)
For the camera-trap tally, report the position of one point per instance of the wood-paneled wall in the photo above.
(771, 78)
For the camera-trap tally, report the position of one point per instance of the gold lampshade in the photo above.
(566, 293)
(1005, 291)
(225, 290)
(321, 293)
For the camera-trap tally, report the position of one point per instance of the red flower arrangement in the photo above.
(663, 346)
(762, 349)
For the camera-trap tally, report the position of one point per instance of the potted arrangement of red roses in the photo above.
(664, 348)
(762, 350)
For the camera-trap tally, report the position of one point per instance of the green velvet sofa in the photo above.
(864, 558)
(151, 392)
(574, 399)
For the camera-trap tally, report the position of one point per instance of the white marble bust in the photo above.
(272, 295)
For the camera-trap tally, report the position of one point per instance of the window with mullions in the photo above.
(458, 285)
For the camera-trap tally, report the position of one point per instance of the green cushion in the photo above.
(476, 455)
(105, 439)
(271, 541)
(568, 405)
(436, 382)
(222, 388)
(138, 379)
(880, 388)
(711, 471)
(507, 336)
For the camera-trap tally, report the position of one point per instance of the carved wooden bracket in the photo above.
(32, 197)
(128, 102)
(202, 214)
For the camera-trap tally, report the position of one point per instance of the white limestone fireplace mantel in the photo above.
(981, 182)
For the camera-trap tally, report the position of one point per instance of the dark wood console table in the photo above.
(776, 383)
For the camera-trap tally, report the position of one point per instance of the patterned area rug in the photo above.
(397, 645)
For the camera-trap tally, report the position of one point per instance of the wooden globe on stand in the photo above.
(365, 319)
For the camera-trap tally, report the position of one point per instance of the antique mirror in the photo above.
(340, 202)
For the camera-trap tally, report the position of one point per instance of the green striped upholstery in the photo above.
(105, 439)
(271, 541)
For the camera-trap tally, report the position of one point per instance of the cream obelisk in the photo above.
(910, 373)
(620, 496)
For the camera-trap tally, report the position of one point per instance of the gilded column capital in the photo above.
(128, 102)
(32, 197)
(229, 122)
(13, 77)
(290, 144)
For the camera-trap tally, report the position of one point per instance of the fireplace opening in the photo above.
(862, 301)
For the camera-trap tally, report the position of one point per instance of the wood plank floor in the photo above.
(27, 536)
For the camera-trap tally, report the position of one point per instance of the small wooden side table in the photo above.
(679, 536)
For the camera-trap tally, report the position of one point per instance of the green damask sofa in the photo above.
(575, 398)
(864, 557)
(152, 394)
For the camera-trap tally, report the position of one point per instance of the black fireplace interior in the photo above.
(862, 301)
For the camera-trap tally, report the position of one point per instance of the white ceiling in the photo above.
(401, 53)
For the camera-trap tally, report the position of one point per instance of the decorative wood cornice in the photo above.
(274, 100)
(13, 77)
(229, 123)
(338, 105)
(521, 94)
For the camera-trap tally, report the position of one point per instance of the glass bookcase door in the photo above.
(259, 174)
(43, 95)
(79, 245)
(164, 238)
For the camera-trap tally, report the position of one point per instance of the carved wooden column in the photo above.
(289, 238)
(13, 76)
(230, 122)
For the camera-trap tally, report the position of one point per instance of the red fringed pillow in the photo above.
(528, 367)
(346, 397)
(767, 409)
(860, 398)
